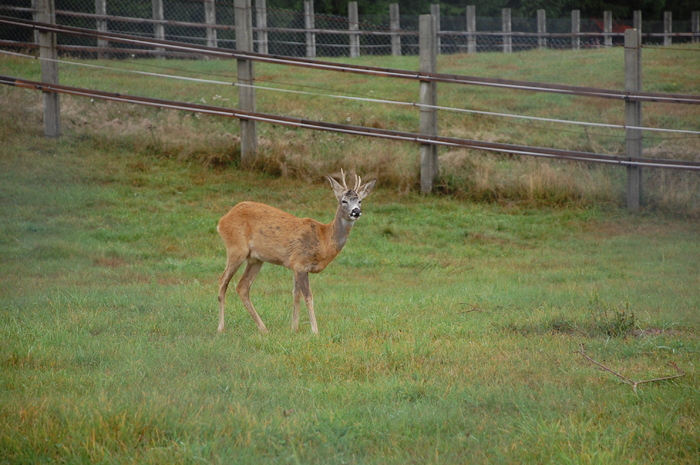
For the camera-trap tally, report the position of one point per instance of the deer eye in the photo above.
(344, 202)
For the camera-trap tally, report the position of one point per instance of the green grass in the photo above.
(448, 328)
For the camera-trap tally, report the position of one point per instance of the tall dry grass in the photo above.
(487, 177)
(308, 155)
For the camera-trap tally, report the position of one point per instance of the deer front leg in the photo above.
(243, 289)
(232, 265)
(223, 285)
(301, 286)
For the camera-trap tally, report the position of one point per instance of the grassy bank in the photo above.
(449, 329)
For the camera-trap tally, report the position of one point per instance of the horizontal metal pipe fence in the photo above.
(632, 96)
(359, 69)
(354, 130)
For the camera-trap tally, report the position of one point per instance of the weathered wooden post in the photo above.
(668, 27)
(246, 79)
(49, 68)
(158, 27)
(435, 11)
(607, 28)
(309, 25)
(210, 20)
(575, 29)
(35, 17)
(633, 115)
(354, 25)
(395, 27)
(541, 29)
(637, 20)
(507, 37)
(471, 29)
(428, 100)
(261, 23)
(695, 26)
(101, 25)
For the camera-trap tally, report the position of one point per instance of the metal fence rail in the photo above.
(194, 49)
(355, 130)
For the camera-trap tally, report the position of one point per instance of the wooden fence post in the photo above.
(101, 26)
(246, 79)
(575, 29)
(637, 20)
(395, 27)
(309, 24)
(507, 37)
(668, 27)
(261, 23)
(35, 17)
(354, 25)
(428, 96)
(633, 115)
(695, 26)
(49, 69)
(541, 29)
(607, 28)
(471, 29)
(158, 28)
(435, 11)
(210, 20)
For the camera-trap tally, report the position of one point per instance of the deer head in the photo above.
(350, 200)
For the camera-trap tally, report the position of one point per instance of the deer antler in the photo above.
(342, 174)
(358, 181)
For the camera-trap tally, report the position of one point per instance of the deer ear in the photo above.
(365, 190)
(338, 190)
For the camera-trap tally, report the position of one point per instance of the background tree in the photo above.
(622, 9)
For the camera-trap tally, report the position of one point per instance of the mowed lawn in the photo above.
(449, 330)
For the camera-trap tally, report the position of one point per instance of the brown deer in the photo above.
(256, 233)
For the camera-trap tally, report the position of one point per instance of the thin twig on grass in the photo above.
(631, 382)
(474, 308)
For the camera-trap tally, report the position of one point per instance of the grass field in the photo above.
(449, 329)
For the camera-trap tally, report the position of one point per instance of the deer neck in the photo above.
(340, 228)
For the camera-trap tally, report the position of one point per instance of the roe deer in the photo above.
(257, 233)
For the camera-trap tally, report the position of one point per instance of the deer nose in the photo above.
(355, 213)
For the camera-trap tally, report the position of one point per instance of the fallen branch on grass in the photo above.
(625, 379)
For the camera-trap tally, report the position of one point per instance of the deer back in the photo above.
(265, 233)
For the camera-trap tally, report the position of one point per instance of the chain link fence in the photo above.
(295, 33)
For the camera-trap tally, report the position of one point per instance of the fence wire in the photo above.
(287, 32)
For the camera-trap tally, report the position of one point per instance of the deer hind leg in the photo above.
(233, 262)
(297, 299)
(243, 289)
(298, 293)
(302, 287)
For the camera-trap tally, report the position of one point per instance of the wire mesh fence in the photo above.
(296, 33)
